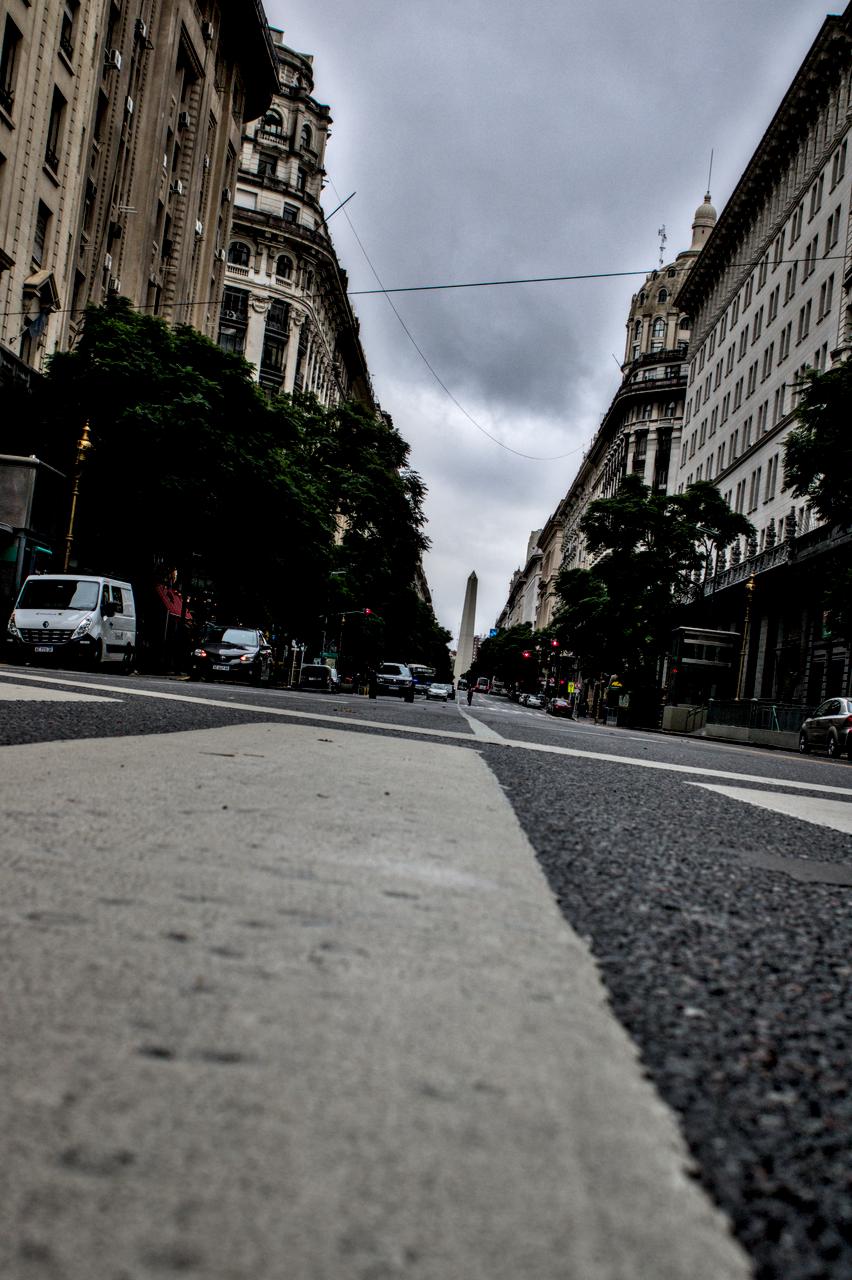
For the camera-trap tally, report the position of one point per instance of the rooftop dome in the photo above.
(703, 222)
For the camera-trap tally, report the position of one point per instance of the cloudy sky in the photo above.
(490, 140)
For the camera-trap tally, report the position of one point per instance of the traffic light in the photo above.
(367, 612)
(554, 644)
(527, 653)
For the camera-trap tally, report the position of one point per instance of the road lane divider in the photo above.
(686, 770)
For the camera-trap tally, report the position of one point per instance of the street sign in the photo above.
(330, 653)
(492, 632)
(571, 688)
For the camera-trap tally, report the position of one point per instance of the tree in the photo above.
(286, 512)
(617, 617)
(818, 450)
(511, 656)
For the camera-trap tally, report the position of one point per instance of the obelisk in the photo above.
(464, 653)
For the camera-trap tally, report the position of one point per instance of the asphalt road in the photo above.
(711, 884)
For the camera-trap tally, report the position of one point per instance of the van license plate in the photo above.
(219, 666)
(43, 648)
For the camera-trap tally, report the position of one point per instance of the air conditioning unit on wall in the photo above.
(199, 228)
(114, 285)
(113, 59)
(183, 120)
(221, 255)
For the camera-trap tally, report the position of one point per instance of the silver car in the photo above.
(829, 729)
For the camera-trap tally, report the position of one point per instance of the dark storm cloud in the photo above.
(490, 140)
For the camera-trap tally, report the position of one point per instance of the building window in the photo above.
(832, 231)
(235, 305)
(284, 267)
(232, 338)
(774, 299)
(9, 64)
(267, 163)
(42, 222)
(290, 213)
(838, 163)
(273, 122)
(279, 315)
(54, 131)
(663, 295)
(804, 321)
(239, 254)
(274, 351)
(307, 137)
(66, 32)
(790, 282)
(816, 196)
(825, 295)
(301, 179)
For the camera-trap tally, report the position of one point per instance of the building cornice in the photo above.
(780, 142)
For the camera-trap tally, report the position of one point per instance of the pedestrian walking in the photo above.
(469, 694)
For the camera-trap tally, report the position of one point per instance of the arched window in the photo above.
(684, 322)
(659, 328)
(663, 295)
(284, 267)
(239, 254)
(637, 329)
(273, 122)
(642, 297)
(307, 135)
(309, 282)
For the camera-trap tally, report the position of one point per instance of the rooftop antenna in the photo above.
(710, 174)
(661, 232)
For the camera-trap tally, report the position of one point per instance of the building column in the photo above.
(631, 449)
(255, 330)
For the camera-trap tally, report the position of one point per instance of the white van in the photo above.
(74, 618)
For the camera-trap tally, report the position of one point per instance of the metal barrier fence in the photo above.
(785, 717)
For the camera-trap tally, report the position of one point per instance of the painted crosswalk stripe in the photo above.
(824, 813)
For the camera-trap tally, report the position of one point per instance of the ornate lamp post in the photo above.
(749, 589)
(83, 444)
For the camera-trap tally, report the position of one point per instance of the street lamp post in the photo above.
(83, 444)
(749, 588)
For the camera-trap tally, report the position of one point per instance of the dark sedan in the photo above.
(232, 653)
(829, 729)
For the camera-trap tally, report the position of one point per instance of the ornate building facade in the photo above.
(770, 297)
(640, 432)
(285, 304)
(119, 131)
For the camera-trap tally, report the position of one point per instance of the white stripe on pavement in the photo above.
(816, 809)
(21, 693)
(266, 709)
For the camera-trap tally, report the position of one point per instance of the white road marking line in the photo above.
(19, 693)
(824, 813)
(448, 734)
(481, 730)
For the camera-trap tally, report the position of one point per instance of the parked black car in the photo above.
(232, 653)
(829, 729)
(315, 675)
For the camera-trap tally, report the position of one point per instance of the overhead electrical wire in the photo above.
(517, 452)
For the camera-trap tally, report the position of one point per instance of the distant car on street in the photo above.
(559, 707)
(534, 700)
(395, 678)
(829, 729)
(439, 692)
(316, 675)
(232, 653)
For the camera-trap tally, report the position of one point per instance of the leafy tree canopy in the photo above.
(286, 511)
(818, 450)
(618, 615)
(510, 656)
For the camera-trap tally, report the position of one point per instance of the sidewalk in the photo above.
(288, 1002)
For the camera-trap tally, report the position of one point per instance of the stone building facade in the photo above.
(120, 129)
(640, 432)
(768, 299)
(285, 305)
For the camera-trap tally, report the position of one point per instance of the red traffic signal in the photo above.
(527, 653)
(368, 612)
(554, 644)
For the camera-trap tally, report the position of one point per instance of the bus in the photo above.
(423, 676)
